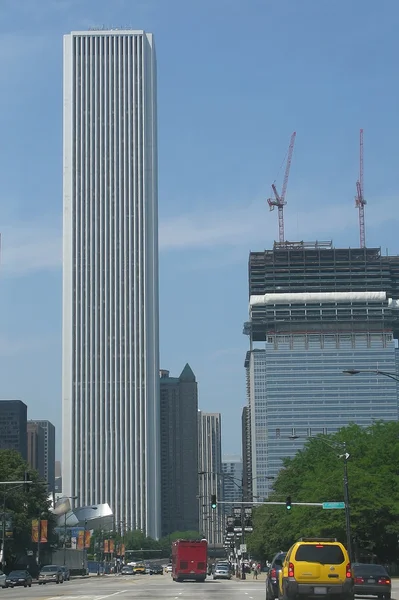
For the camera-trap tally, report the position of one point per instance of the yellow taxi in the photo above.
(139, 569)
(316, 568)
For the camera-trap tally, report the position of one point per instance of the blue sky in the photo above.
(235, 79)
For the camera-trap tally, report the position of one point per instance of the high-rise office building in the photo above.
(210, 480)
(111, 450)
(49, 452)
(179, 452)
(13, 426)
(233, 488)
(36, 449)
(316, 311)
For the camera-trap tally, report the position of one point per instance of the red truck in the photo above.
(189, 560)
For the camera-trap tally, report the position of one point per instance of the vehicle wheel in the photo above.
(25, 585)
(30, 585)
(57, 581)
(387, 596)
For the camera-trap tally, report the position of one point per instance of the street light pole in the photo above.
(393, 376)
(345, 457)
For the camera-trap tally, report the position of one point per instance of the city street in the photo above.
(144, 587)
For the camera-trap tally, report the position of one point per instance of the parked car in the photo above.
(51, 574)
(66, 573)
(2, 579)
(21, 577)
(372, 580)
(273, 575)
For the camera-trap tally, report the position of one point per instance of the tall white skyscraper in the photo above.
(110, 286)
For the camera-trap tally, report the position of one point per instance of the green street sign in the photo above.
(333, 504)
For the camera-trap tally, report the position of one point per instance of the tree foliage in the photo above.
(23, 505)
(315, 474)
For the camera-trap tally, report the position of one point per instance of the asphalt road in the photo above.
(142, 587)
(146, 587)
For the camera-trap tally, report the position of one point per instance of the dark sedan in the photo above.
(19, 578)
(156, 570)
(273, 574)
(371, 580)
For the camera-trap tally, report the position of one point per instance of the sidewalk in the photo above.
(250, 577)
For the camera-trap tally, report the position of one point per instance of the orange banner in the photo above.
(87, 539)
(111, 546)
(43, 532)
(35, 530)
(80, 539)
(123, 550)
(106, 547)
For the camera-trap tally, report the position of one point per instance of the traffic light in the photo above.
(213, 501)
(26, 478)
(288, 503)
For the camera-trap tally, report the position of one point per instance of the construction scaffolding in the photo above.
(313, 268)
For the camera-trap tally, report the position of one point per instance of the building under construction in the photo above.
(315, 311)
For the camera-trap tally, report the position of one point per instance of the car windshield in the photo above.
(49, 568)
(369, 569)
(17, 573)
(319, 553)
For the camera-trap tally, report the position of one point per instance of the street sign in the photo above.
(243, 548)
(333, 504)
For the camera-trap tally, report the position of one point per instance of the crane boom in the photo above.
(279, 199)
(360, 201)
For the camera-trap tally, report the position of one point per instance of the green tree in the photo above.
(315, 474)
(23, 505)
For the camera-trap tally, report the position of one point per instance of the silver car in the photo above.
(221, 572)
(2, 580)
(51, 573)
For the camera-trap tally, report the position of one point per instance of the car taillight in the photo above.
(273, 573)
(348, 571)
(384, 580)
(359, 580)
(291, 570)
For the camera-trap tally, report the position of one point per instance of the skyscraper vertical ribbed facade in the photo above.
(110, 286)
(210, 474)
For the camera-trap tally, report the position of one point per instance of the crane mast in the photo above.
(359, 198)
(279, 199)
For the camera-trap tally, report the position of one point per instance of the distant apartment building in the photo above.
(314, 312)
(246, 453)
(232, 481)
(49, 452)
(13, 426)
(36, 447)
(179, 452)
(210, 476)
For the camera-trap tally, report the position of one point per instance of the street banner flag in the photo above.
(35, 530)
(111, 546)
(43, 532)
(87, 539)
(80, 539)
(106, 549)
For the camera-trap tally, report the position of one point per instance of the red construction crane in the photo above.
(359, 198)
(279, 200)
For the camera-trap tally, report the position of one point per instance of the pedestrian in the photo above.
(255, 571)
